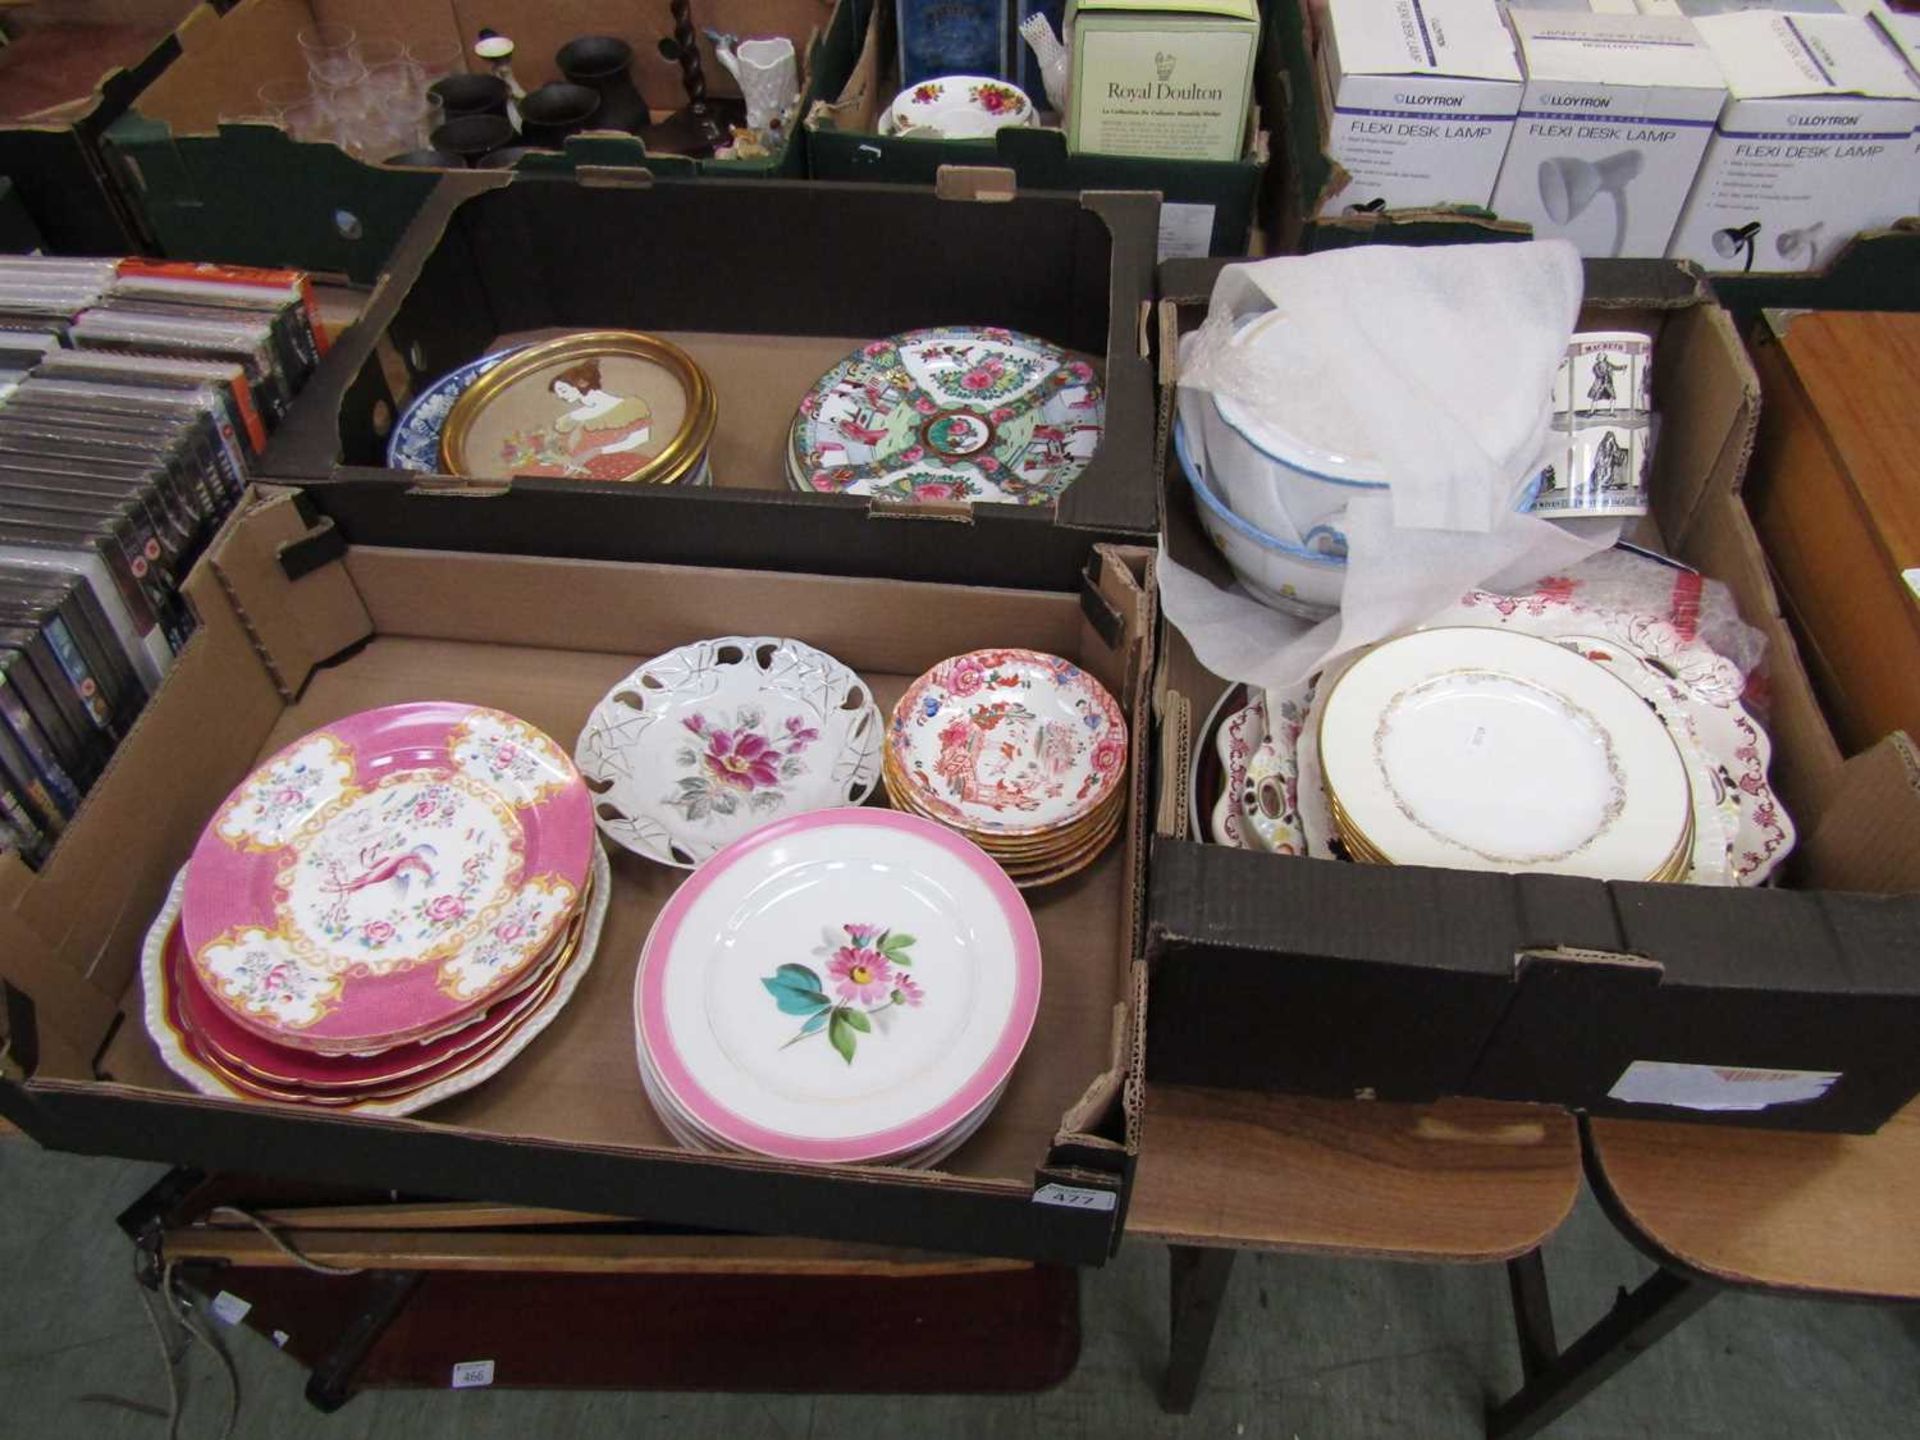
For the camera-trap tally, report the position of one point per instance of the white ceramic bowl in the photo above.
(1278, 479)
(1294, 578)
(957, 107)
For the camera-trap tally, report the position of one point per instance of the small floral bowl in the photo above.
(957, 107)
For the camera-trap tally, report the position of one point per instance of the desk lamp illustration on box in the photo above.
(1568, 185)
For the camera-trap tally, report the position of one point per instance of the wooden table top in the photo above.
(1460, 1180)
(1828, 1214)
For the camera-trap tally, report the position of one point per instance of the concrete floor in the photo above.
(1313, 1349)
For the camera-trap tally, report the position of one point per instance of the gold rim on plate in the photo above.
(901, 796)
(677, 461)
(195, 1044)
(545, 978)
(1677, 865)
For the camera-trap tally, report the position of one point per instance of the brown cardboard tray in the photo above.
(767, 284)
(67, 73)
(215, 181)
(566, 1124)
(1276, 973)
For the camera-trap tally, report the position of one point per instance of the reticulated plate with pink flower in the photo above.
(960, 413)
(705, 743)
(386, 875)
(1008, 742)
(839, 987)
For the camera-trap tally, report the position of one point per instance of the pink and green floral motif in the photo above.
(977, 374)
(927, 93)
(1018, 415)
(737, 764)
(281, 795)
(996, 99)
(256, 972)
(924, 487)
(511, 756)
(537, 910)
(867, 976)
(401, 875)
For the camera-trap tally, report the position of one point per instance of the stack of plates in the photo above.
(1023, 753)
(1479, 749)
(1289, 773)
(382, 915)
(850, 986)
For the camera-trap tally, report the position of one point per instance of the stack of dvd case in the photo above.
(135, 396)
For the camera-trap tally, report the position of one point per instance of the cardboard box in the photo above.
(1407, 983)
(767, 285)
(1419, 101)
(1166, 78)
(216, 187)
(1208, 206)
(1615, 116)
(82, 62)
(1813, 146)
(566, 1124)
(1301, 211)
(1904, 31)
(1832, 496)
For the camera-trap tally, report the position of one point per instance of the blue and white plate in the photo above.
(415, 442)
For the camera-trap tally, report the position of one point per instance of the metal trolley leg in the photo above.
(1558, 1380)
(331, 1384)
(1197, 1283)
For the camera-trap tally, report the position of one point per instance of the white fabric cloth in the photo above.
(1440, 359)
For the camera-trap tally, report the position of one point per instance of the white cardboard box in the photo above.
(1418, 100)
(1905, 30)
(1616, 114)
(1813, 146)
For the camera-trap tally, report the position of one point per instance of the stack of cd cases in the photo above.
(135, 397)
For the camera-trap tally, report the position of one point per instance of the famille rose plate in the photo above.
(840, 987)
(415, 442)
(704, 743)
(1484, 749)
(387, 875)
(961, 413)
(421, 1076)
(1008, 742)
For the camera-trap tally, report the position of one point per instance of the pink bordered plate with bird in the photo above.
(380, 878)
(845, 986)
(1008, 742)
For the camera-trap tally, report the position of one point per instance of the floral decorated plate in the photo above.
(956, 107)
(384, 876)
(1267, 801)
(186, 1053)
(1008, 742)
(1485, 750)
(701, 745)
(1694, 688)
(226, 1044)
(962, 413)
(415, 442)
(839, 987)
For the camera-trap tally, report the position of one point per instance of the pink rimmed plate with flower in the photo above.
(1008, 742)
(703, 744)
(384, 876)
(842, 987)
(957, 414)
